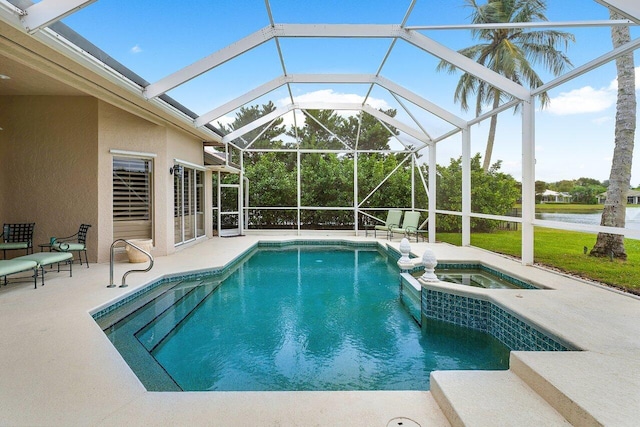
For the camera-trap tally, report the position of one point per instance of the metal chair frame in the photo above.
(80, 237)
(18, 233)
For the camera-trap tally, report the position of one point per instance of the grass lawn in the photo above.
(564, 250)
(565, 207)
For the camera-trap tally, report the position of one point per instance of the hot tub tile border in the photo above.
(487, 317)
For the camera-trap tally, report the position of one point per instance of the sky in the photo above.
(574, 133)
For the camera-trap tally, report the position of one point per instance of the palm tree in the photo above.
(620, 176)
(510, 52)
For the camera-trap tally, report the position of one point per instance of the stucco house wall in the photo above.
(57, 167)
(55, 145)
(120, 130)
(49, 159)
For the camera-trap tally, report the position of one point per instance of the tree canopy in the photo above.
(383, 180)
(492, 192)
(511, 52)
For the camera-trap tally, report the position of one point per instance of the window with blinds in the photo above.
(132, 198)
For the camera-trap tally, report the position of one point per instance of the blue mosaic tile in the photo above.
(411, 298)
(487, 317)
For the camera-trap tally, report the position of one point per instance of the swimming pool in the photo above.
(293, 318)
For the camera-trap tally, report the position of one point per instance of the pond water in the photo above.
(632, 219)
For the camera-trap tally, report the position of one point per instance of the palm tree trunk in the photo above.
(486, 163)
(619, 179)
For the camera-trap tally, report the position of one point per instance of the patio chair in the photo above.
(393, 220)
(17, 236)
(45, 259)
(74, 243)
(409, 225)
(13, 266)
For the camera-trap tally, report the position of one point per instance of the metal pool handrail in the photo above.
(124, 276)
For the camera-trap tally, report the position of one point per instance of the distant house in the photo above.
(633, 197)
(550, 196)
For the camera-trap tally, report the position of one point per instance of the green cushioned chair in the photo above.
(409, 225)
(17, 265)
(44, 259)
(393, 220)
(74, 243)
(16, 237)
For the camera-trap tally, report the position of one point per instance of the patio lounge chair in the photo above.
(17, 236)
(74, 243)
(17, 265)
(393, 220)
(44, 259)
(409, 225)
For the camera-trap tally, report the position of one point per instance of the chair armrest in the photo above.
(63, 239)
(60, 246)
(411, 229)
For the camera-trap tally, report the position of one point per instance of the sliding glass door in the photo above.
(188, 203)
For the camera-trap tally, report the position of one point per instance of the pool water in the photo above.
(296, 318)
(475, 277)
(480, 277)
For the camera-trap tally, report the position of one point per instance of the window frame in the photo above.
(141, 224)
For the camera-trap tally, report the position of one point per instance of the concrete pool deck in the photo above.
(58, 368)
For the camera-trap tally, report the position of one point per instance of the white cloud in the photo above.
(328, 96)
(587, 99)
(583, 100)
(614, 82)
(331, 96)
(135, 49)
(225, 120)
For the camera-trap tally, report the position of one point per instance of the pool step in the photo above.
(491, 398)
(121, 334)
(153, 307)
(120, 313)
(566, 381)
(192, 295)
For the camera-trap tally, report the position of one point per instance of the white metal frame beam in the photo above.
(391, 46)
(421, 102)
(209, 62)
(629, 8)
(46, 12)
(518, 25)
(397, 124)
(465, 64)
(589, 66)
(410, 114)
(335, 31)
(331, 78)
(326, 106)
(241, 100)
(278, 112)
(323, 126)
